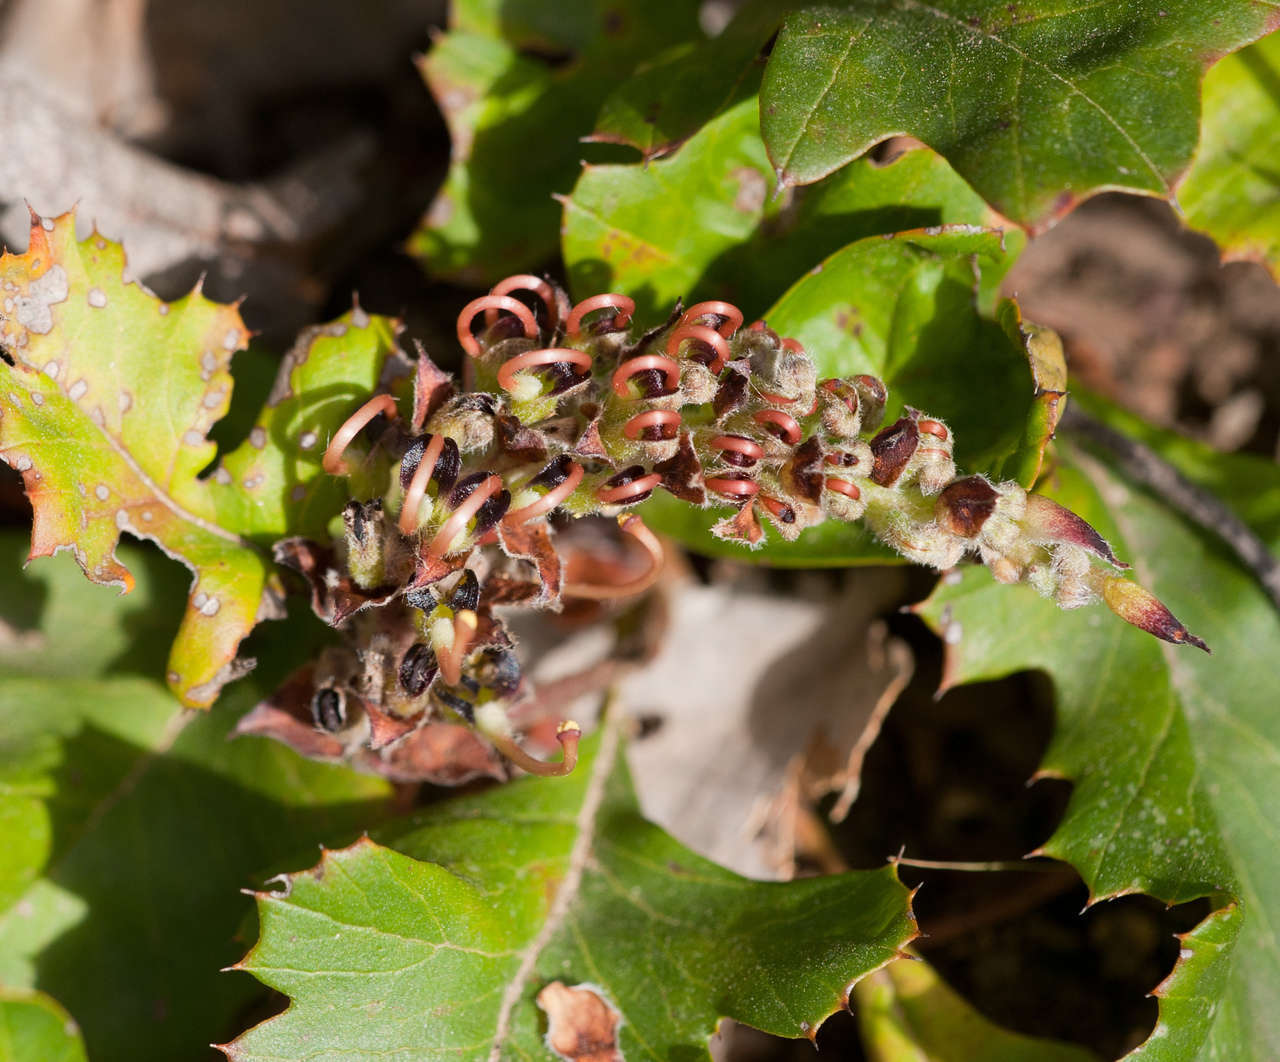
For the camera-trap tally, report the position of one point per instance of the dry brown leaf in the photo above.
(582, 1026)
(792, 698)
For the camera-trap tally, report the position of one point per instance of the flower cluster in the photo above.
(566, 412)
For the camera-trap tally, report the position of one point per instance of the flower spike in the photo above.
(584, 416)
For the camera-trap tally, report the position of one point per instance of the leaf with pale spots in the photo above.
(272, 484)
(1172, 753)
(105, 412)
(107, 395)
(452, 931)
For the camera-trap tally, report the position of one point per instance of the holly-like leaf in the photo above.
(107, 395)
(105, 413)
(706, 223)
(1036, 105)
(1172, 754)
(128, 825)
(1232, 190)
(552, 907)
(515, 120)
(907, 1013)
(904, 309)
(33, 1026)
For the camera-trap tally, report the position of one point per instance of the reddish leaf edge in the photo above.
(329, 858)
(1067, 201)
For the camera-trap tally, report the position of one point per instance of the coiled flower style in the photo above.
(566, 411)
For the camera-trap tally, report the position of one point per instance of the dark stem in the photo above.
(1001, 908)
(1148, 468)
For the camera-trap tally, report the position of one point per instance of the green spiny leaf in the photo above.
(706, 223)
(1036, 105)
(1172, 754)
(105, 411)
(464, 933)
(129, 826)
(667, 100)
(273, 485)
(515, 121)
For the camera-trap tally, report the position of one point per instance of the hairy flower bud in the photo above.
(932, 463)
(920, 541)
(1004, 528)
(366, 543)
(965, 505)
(784, 376)
(840, 409)
(468, 420)
(698, 385)
(892, 450)
(1073, 569)
(1140, 607)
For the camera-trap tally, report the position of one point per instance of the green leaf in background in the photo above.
(671, 97)
(706, 223)
(907, 1013)
(1035, 104)
(1173, 754)
(470, 933)
(1048, 364)
(128, 825)
(515, 120)
(105, 411)
(34, 1028)
(272, 484)
(1232, 191)
(904, 308)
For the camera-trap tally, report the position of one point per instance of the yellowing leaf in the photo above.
(105, 414)
(907, 1013)
(1232, 191)
(107, 395)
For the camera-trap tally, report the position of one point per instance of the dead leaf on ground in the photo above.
(784, 713)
